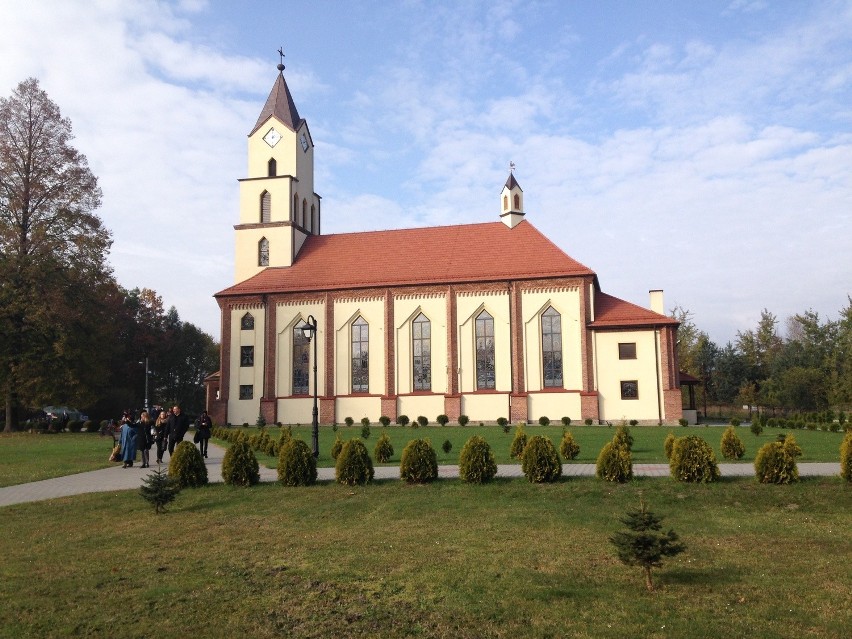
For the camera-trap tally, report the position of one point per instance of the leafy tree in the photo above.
(642, 544)
(52, 249)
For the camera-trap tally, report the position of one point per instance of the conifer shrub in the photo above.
(544, 420)
(756, 428)
(447, 446)
(297, 465)
(623, 437)
(693, 460)
(735, 422)
(503, 423)
(775, 462)
(423, 421)
(159, 490)
(683, 422)
(846, 457)
(365, 430)
(463, 420)
(384, 449)
(476, 461)
(349, 421)
(419, 464)
(540, 461)
(614, 463)
(516, 448)
(285, 436)
(566, 421)
(731, 445)
(239, 465)
(365, 421)
(568, 447)
(384, 420)
(635, 422)
(336, 447)
(402, 420)
(588, 421)
(187, 467)
(442, 419)
(354, 465)
(668, 445)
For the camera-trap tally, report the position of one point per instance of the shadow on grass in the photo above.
(697, 576)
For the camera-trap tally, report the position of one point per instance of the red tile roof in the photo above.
(611, 312)
(436, 255)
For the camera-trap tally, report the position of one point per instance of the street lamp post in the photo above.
(146, 383)
(309, 330)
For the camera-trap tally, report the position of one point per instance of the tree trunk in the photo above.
(648, 583)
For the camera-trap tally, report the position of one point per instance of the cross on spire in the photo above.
(511, 167)
(281, 54)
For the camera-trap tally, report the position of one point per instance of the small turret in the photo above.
(512, 200)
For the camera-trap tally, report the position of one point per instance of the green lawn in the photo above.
(647, 446)
(26, 457)
(511, 559)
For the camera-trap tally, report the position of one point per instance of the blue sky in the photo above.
(699, 147)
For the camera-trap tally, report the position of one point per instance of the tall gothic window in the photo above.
(360, 356)
(272, 168)
(247, 322)
(484, 351)
(421, 347)
(551, 348)
(301, 362)
(295, 207)
(265, 207)
(517, 202)
(263, 252)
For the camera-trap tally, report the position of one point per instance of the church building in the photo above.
(487, 320)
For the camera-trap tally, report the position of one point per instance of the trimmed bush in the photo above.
(623, 437)
(402, 420)
(635, 422)
(297, 465)
(336, 447)
(566, 421)
(354, 465)
(463, 420)
(384, 449)
(187, 467)
(668, 445)
(349, 421)
(365, 430)
(693, 460)
(476, 461)
(384, 420)
(447, 446)
(731, 445)
(614, 463)
(846, 457)
(239, 465)
(775, 462)
(756, 428)
(442, 419)
(735, 422)
(516, 448)
(588, 421)
(544, 421)
(365, 421)
(419, 464)
(683, 422)
(540, 461)
(568, 447)
(423, 421)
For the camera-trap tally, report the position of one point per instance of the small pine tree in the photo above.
(569, 448)
(540, 461)
(354, 465)
(418, 464)
(476, 461)
(516, 448)
(187, 466)
(159, 490)
(239, 465)
(297, 465)
(643, 544)
(384, 449)
(623, 437)
(731, 445)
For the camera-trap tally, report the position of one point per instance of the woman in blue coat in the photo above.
(129, 432)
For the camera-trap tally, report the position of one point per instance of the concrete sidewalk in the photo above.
(118, 478)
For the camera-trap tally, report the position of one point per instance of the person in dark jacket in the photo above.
(144, 438)
(161, 434)
(203, 425)
(178, 425)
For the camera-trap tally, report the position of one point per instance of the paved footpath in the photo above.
(118, 478)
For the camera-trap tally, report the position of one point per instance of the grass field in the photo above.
(26, 457)
(511, 559)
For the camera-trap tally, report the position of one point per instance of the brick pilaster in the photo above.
(589, 405)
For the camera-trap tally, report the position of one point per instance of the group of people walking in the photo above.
(165, 431)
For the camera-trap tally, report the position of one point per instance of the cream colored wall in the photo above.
(485, 407)
(345, 312)
(246, 250)
(287, 317)
(246, 410)
(297, 410)
(467, 308)
(555, 406)
(429, 406)
(610, 371)
(284, 152)
(567, 304)
(280, 199)
(405, 310)
(358, 407)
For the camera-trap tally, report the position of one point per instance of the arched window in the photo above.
(505, 203)
(484, 351)
(265, 207)
(272, 168)
(421, 349)
(263, 252)
(301, 362)
(551, 348)
(247, 322)
(360, 356)
(517, 202)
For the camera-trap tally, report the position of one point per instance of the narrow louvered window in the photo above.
(265, 207)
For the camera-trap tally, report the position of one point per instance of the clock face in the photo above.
(272, 136)
(304, 140)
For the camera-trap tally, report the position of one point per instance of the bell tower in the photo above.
(278, 206)
(511, 200)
